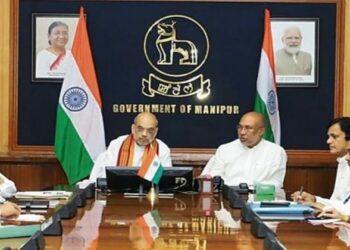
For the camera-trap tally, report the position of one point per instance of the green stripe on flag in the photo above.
(73, 156)
(158, 175)
(156, 217)
(260, 107)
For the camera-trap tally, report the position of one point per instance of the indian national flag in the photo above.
(80, 134)
(149, 224)
(266, 101)
(151, 169)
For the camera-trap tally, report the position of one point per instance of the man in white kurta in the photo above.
(129, 150)
(249, 159)
(109, 157)
(341, 188)
(7, 188)
(340, 199)
(237, 163)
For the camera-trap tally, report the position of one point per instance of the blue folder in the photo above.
(293, 208)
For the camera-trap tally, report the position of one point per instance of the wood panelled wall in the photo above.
(42, 171)
(5, 74)
(39, 172)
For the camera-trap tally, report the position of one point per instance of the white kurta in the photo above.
(7, 188)
(342, 181)
(43, 61)
(235, 163)
(110, 156)
(341, 188)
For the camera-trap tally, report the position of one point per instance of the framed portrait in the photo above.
(52, 40)
(296, 50)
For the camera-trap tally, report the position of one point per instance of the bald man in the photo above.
(290, 60)
(249, 159)
(129, 150)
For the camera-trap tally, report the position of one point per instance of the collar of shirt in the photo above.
(342, 160)
(255, 146)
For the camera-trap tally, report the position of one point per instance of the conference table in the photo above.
(183, 222)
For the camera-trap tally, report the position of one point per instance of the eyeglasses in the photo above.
(246, 128)
(149, 131)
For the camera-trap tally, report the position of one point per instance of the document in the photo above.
(23, 225)
(318, 221)
(284, 217)
(54, 195)
(28, 218)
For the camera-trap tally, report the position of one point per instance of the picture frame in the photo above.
(296, 58)
(48, 62)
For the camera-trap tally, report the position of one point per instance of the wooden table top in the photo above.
(186, 222)
(303, 235)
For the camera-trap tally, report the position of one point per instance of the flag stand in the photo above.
(152, 195)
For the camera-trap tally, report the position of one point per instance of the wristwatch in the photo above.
(345, 218)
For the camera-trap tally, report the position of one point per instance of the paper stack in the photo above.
(47, 195)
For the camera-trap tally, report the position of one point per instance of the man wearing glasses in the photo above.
(129, 150)
(249, 159)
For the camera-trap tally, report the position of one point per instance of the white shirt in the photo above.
(341, 188)
(7, 188)
(236, 163)
(110, 156)
(342, 181)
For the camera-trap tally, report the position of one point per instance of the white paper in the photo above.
(323, 221)
(43, 195)
(29, 217)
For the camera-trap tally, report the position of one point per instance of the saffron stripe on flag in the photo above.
(266, 101)
(79, 136)
(146, 163)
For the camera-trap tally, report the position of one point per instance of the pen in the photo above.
(301, 190)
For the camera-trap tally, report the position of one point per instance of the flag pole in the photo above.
(152, 196)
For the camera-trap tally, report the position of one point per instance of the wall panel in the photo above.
(35, 173)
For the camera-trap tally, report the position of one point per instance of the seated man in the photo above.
(337, 209)
(339, 144)
(7, 188)
(129, 150)
(249, 159)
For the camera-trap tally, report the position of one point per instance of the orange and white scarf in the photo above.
(126, 152)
